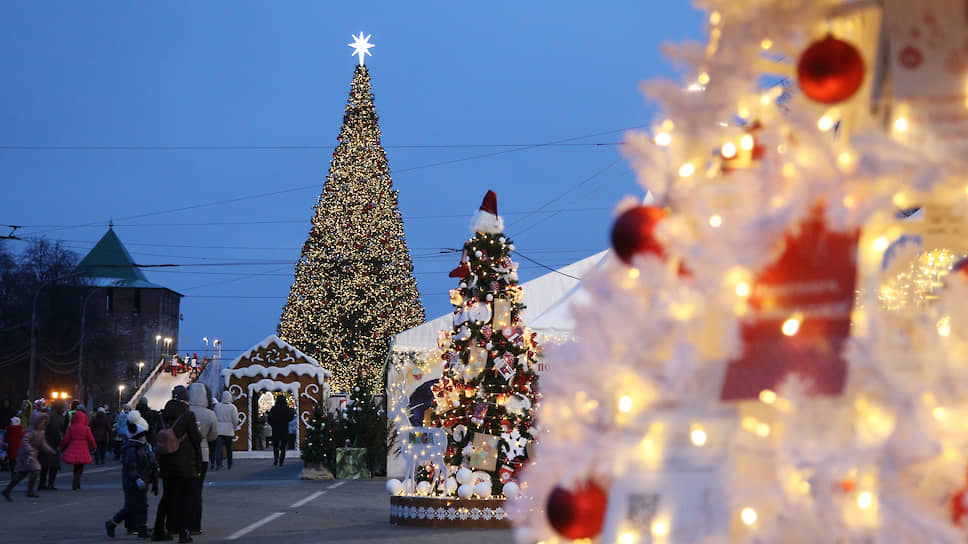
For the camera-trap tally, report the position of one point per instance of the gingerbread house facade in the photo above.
(273, 366)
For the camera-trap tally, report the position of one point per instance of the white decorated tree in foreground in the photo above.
(777, 352)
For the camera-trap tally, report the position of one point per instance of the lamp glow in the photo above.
(663, 139)
(728, 150)
(625, 404)
(698, 436)
(864, 500)
(660, 528)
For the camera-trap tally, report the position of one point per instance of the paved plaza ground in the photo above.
(254, 502)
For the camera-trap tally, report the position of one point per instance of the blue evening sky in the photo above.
(242, 73)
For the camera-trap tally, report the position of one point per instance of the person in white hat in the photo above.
(138, 471)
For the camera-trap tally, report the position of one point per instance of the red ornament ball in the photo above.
(633, 232)
(577, 513)
(960, 269)
(958, 506)
(830, 71)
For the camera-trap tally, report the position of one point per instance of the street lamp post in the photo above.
(217, 344)
(205, 339)
(81, 393)
(157, 351)
(141, 366)
(120, 390)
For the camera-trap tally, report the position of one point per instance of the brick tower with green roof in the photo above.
(138, 315)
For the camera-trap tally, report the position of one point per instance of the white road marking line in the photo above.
(248, 529)
(307, 499)
(334, 486)
(64, 473)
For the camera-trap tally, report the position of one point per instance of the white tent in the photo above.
(541, 294)
(547, 301)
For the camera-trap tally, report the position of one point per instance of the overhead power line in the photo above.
(396, 171)
(295, 147)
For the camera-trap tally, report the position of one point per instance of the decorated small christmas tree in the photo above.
(326, 434)
(366, 423)
(777, 352)
(488, 390)
(354, 286)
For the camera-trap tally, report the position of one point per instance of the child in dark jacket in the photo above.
(138, 471)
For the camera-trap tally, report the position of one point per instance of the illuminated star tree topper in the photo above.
(361, 46)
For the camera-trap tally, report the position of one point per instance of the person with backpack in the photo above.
(139, 471)
(179, 454)
(278, 419)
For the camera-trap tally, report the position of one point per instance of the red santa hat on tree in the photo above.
(486, 219)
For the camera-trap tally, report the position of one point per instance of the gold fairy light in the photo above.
(919, 283)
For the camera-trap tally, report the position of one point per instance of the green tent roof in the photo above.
(110, 264)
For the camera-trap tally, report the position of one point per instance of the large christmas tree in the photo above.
(777, 353)
(488, 391)
(354, 286)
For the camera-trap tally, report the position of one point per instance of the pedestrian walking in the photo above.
(101, 429)
(28, 466)
(153, 417)
(13, 436)
(50, 461)
(279, 417)
(179, 458)
(77, 445)
(228, 420)
(293, 427)
(208, 429)
(139, 471)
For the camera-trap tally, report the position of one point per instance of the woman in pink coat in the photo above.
(77, 445)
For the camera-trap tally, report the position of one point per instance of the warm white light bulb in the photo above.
(663, 139)
(728, 150)
(746, 142)
(715, 221)
(767, 396)
(660, 528)
(698, 436)
(900, 124)
(748, 515)
(628, 537)
(944, 326)
(825, 123)
(881, 243)
(791, 326)
(687, 170)
(864, 500)
(743, 289)
(625, 404)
